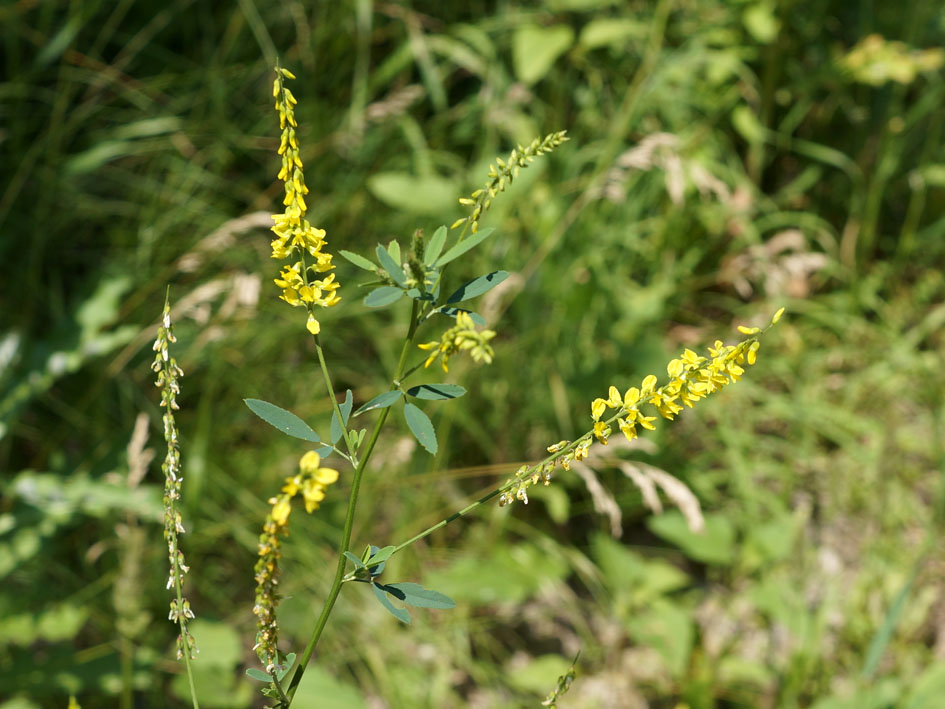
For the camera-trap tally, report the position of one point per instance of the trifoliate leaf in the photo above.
(436, 392)
(400, 614)
(285, 421)
(478, 286)
(381, 401)
(358, 260)
(421, 427)
(435, 247)
(337, 430)
(416, 595)
(385, 295)
(391, 266)
(464, 246)
(380, 555)
(354, 560)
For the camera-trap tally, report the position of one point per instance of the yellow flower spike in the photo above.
(294, 234)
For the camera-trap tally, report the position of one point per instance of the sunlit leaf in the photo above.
(464, 246)
(421, 427)
(416, 595)
(435, 247)
(385, 295)
(285, 421)
(478, 286)
(436, 392)
(400, 614)
(391, 266)
(358, 260)
(381, 401)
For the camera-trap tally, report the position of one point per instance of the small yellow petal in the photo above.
(326, 476)
(748, 330)
(777, 316)
(312, 325)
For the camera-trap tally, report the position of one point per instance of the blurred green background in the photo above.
(726, 158)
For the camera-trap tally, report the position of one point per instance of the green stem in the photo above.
(334, 402)
(181, 620)
(454, 516)
(352, 506)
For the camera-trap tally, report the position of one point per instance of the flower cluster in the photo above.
(311, 481)
(500, 177)
(692, 377)
(295, 236)
(462, 337)
(168, 374)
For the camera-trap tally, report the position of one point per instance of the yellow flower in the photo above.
(281, 509)
(295, 236)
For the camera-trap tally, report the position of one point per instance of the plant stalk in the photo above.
(352, 506)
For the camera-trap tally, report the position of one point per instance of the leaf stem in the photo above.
(352, 506)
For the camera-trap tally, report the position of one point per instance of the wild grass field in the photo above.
(725, 158)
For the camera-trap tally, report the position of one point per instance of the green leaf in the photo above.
(258, 675)
(358, 260)
(421, 427)
(417, 294)
(416, 595)
(416, 194)
(391, 266)
(435, 247)
(613, 31)
(336, 429)
(464, 246)
(380, 555)
(535, 49)
(393, 248)
(381, 401)
(354, 560)
(436, 392)
(476, 317)
(478, 286)
(324, 451)
(715, 545)
(385, 295)
(400, 614)
(285, 421)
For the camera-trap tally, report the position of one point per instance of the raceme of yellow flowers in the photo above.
(311, 481)
(692, 377)
(295, 236)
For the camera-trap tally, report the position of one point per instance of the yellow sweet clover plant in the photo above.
(416, 274)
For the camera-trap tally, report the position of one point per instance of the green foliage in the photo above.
(285, 421)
